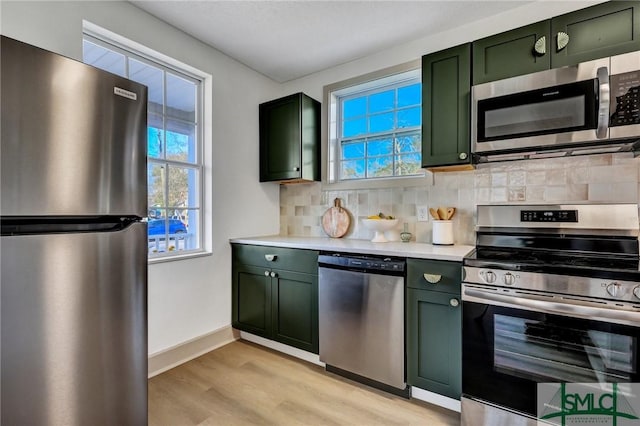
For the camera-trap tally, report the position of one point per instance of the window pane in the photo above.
(381, 122)
(410, 143)
(408, 164)
(353, 150)
(181, 141)
(171, 233)
(155, 180)
(181, 98)
(155, 137)
(354, 107)
(183, 188)
(380, 166)
(409, 117)
(352, 169)
(354, 127)
(410, 95)
(103, 58)
(152, 78)
(383, 101)
(379, 147)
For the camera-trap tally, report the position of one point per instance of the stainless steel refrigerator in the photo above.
(73, 248)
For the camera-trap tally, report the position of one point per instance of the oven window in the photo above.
(537, 117)
(542, 351)
(506, 352)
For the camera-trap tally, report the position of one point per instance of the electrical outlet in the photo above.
(422, 213)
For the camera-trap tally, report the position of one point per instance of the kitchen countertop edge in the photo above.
(410, 250)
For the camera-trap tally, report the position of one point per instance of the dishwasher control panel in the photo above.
(362, 262)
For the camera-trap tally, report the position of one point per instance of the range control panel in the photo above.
(549, 216)
(625, 99)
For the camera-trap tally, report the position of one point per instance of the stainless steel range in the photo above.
(551, 294)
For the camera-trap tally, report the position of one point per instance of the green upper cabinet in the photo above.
(290, 139)
(603, 30)
(512, 53)
(446, 100)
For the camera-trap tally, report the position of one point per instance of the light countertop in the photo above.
(347, 245)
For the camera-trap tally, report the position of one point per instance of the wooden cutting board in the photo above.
(336, 220)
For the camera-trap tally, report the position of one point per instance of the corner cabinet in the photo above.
(275, 294)
(446, 100)
(290, 139)
(434, 326)
(606, 29)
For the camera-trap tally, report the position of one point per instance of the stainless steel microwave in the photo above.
(588, 108)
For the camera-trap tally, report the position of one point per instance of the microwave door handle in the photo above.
(603, 105)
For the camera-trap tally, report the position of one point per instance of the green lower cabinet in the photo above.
(434, 341)
(295, 310)
(251, 293)
(273, 303)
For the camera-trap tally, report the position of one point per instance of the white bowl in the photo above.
(379, 226)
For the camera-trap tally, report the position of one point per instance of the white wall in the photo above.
(192, 297)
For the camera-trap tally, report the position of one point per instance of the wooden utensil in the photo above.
(450, 212)
(442, 213)
(434, 213)
(336, 220)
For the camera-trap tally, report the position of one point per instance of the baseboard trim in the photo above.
(167, 359)
(281, 347)
(435, 399)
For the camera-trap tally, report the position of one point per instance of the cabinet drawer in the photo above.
(282, 258)
(447, 275)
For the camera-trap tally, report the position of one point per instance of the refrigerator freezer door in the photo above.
(74, 328)
(73, 138)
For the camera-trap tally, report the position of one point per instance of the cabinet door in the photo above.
(280, 139)
(511, 53)
(603, 30)
(434, 340)
(251, 297)
(295, 309)
(446, 88)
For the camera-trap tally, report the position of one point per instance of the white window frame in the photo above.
(112, 41)
(330, 122)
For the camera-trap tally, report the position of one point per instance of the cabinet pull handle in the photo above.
(540, 46)
(273, 274)
(296, 169)
(454, 302)
(266, 273)
(462, 156)
(562, 39)
(433, 279)
(270, 257)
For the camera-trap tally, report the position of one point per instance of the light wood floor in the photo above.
(243, 383)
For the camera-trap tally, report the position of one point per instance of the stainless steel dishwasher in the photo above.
(361, 310)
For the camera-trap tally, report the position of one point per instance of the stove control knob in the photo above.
(490, 277)
(614, 289)
(636, 292)
(509, 278)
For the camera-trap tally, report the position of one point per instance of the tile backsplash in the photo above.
(604, 178)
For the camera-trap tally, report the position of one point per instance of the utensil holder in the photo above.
(442, 232)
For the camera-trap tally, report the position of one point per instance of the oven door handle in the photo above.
(603, 102)
(598, 311)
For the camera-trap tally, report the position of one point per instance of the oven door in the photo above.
(509, 346)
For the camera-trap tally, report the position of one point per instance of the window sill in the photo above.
(176, 257)
(380, 183)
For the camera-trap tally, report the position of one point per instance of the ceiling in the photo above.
(285, 40)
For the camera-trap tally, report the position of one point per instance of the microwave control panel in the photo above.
(625, 99)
